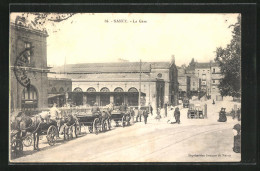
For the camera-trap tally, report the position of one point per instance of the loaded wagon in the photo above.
(195, 112)
(92, 120)
(120, 116)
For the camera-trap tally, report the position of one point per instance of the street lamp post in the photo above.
(139, 101)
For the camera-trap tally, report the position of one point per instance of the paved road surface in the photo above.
(192, 140)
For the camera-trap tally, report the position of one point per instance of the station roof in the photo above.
(110, 67)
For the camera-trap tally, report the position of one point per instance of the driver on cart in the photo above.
(55, 115)
(95, 109)
(123, 107)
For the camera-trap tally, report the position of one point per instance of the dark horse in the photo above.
(69, 122)
(23, 124)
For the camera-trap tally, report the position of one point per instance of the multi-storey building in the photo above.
(216, 76)
(204, 78)
(203, 72)
(118, 83)
(184, 81)
(28, 68)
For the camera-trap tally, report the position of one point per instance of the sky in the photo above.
(88, 38)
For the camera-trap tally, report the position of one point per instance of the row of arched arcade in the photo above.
(104, 97)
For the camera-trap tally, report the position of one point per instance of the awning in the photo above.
(108, 93)
(54, 95)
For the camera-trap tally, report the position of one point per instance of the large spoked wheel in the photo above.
(16, 148)
(52, 135)
(96, 126)
(27, 141)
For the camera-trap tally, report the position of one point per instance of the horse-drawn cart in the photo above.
(195, 112)
(120, 116)
(95, 122)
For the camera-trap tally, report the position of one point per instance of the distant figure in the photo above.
(145, 114)
(238, 114)
(237, 138)
(222, 115)
(165, 109)
(95, 109)
(213, 101)
(158, 117)
(132, 114)
(162, 112)
(122, 107)
(177, 115)
(139, 115)
(151, 109)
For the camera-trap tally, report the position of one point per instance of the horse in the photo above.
(68, 122)
(105, 116)
(23, 124)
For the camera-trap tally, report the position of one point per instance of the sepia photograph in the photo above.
(124, 87)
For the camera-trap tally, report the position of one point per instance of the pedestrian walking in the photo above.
(151, 109)
(177, 115)
(145, 113)
(140, 113)
(132, 115)
(158, 117)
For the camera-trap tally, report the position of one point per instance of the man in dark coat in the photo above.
(222, 115)
(237, 138)
(177, 115)
(151, 109)
(95, 109)
(145, 113)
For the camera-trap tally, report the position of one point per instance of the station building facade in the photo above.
(118, 83)
(28, 45)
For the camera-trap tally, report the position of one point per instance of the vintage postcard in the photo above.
(124, 87)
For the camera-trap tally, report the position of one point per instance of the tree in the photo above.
(192, 64)
(229, 60)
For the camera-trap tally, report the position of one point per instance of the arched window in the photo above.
(53, 90)
(61, 90)
(77, 89)
(118, 89)
(132, 89)
(91, 89)
(104, 89)
(29, 98)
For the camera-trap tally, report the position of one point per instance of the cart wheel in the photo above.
(27, 142)
(123, 121)
(52, 135)
(96, 126)
(16, 148)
